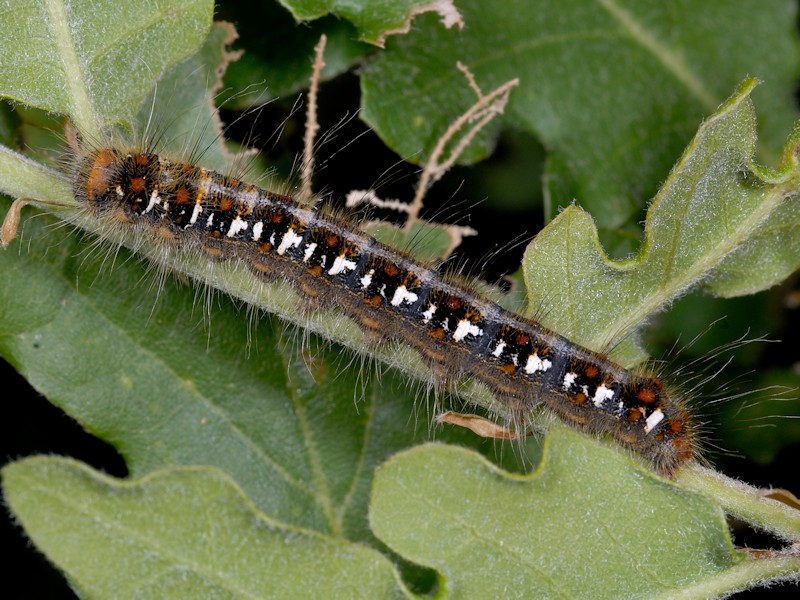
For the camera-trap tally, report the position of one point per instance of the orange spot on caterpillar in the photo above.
(508, 368)
(369, 323)
(374, 300)
(576, 418)
(636, 414)
(506, 390)
(436, 358)
(675, 426)
(438, 333)
(182, 196)
(684, 447)
(212, 251)
(628, 437)
(578, 399)
(453, 303)
(646, 395)
(308, 290)
(226, 204)
(165, 233)
(137, 185)
(259, 267)
(99, 174)
(473, 315)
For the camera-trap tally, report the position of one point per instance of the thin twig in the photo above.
(312, 124)
(476, 117)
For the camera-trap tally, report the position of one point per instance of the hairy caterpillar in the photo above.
(187, 208)
(176, 209)
(157, 236)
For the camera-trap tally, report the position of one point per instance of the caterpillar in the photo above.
(393, 298)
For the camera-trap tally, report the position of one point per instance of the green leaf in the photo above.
(769, 255)
(451, 510)
(706, 214)
(584, 524)
(67, 60)
(428, 242)
(613, 89)
(374, 20)
(181, 533)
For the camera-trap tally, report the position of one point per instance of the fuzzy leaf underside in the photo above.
(553, 533)
(181, 533)
(68, 61)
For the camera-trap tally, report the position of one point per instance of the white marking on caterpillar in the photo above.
(290, 239)
(535, 364)
(309, 251)
(428, 314)
(601, 394)
(366, 280)
(237, 225)
(653, 420)
(402, 295)
(464, 328)
(569, 380)
(341, 264)
(154, 200)
(198, 208)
